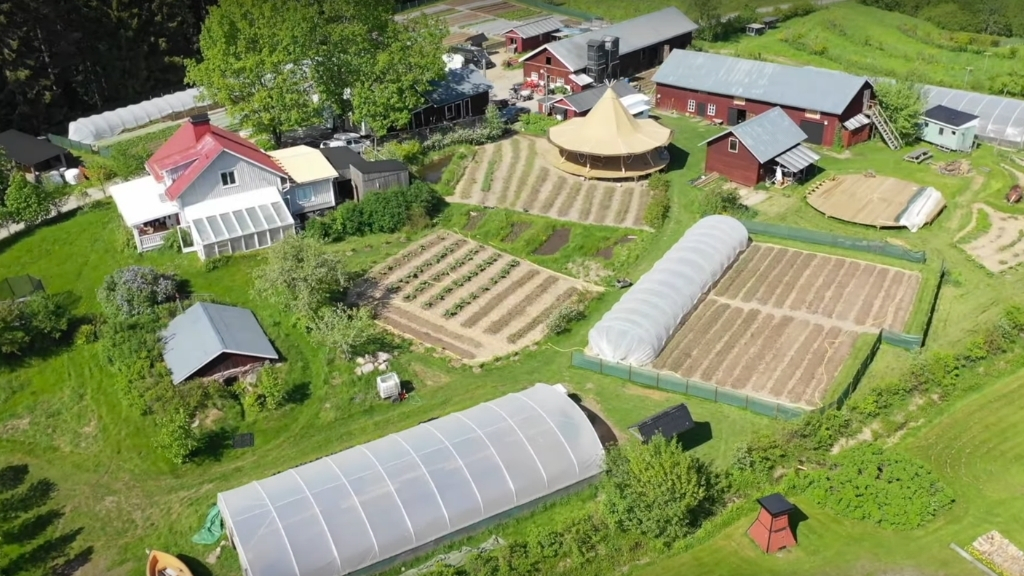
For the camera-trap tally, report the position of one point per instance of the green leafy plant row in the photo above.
(493, 281)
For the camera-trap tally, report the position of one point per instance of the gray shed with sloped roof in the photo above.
(206, 333)
(767, 135)
(805, 87)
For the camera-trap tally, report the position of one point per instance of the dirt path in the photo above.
(1002, 246)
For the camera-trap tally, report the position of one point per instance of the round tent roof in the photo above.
(609, 130)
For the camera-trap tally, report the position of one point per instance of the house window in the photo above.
(449, 111)
(534, 76)
(547, 60)
(228, 178)
(284, 182)
(304, 194)
(734, 145)
(953, 132)
(812, 113)
(740, 101)
(942, 131)
(559, 81)
(711, 110)
(691, 106)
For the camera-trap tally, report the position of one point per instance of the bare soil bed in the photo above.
(781, 323)
(464, 297)
(558, 239)
(524, 180)
(608, 252)
(1002, 246)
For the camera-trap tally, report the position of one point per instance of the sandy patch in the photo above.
(1002, 247)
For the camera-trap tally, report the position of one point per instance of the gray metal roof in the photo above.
(206, 331)
(633, 35)
(536, 28)
(798, 158)
(461, 83)
(584, 101)
(798, 87)
(767, 135)
(856, 122)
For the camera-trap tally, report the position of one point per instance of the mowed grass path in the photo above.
(975, 445)
(858, 39)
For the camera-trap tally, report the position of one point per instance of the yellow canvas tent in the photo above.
(610, 131)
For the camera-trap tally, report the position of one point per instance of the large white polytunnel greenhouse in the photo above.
(637, 327)
(397, 496)
(100, 126)
(1000, 120)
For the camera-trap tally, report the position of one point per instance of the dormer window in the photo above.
(228, 178)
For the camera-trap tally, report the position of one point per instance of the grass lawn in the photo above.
(859, 39)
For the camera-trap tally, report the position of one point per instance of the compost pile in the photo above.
(955, 168)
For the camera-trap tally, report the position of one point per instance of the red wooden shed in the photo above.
(771, 530)
(529, 36)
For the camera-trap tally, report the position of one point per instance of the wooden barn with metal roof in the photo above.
(729, 90)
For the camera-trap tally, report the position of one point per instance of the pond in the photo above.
(433, 171)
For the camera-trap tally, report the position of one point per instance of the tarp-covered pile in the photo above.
(922, 208)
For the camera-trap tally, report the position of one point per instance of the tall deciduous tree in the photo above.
(345, 330)
(708, 15)
(300, 275)
(30, 203)
(257, 60)
(903, 105)
(391, 88)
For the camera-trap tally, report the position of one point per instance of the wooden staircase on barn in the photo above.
(884, 127)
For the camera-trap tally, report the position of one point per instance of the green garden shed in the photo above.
(949, 129)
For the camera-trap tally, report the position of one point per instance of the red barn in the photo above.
(619, 51)
(730, 90)
(766, 147)
(530, 35)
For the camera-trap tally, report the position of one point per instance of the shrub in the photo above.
(136, 291)
(346, 331)
(133, 349)
(176, 439)
(710, 201)
(536, 124)
(658, 209)
(272, 385)
(407, 151)
(881, 486)
(171, 243)
(127, 158)
(29, 203)
(34, 324)
(86, 334)
(211, 264)
(568, 314)
(301, 276)
(379, 213)
(490, 129)
(657, 490)
(903, 105)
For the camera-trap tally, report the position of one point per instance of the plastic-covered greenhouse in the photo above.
(405, 492)
(1001, 120)
(95, 128)
(637, 327)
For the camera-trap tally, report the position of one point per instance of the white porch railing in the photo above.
(152, 241)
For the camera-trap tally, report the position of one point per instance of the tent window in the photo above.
(228, 178)
(691, 106)
(734, 145)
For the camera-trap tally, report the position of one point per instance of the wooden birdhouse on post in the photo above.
(771, 530)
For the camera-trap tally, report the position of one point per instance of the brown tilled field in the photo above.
(781, 322)
(519, 178)
(466, 298)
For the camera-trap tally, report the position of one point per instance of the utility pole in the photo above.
(987, 54)
(969, 68)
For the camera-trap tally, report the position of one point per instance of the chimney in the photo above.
(200, 124)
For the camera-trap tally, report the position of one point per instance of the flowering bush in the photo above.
(136, 291)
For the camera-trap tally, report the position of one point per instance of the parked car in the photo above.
(512, 114)
(348, 139)
(476, 56)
